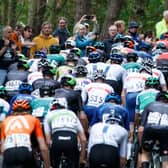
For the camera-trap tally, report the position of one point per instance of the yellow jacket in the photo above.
(43, 43)
(161, 28)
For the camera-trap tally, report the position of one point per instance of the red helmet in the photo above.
(21, 105)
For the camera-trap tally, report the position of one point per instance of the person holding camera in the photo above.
(84, 20)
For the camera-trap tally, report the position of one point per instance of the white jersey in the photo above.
(135, 82)
(62, 120)
(81, 83)
(95, 93)
(158, 74)
(93, 67)
(110, 134)
(4, 108)
(34, 76)
(116, 72)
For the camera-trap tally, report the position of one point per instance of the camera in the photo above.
(89, 17)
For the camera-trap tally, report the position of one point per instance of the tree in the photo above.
(12, 16)
(114, 8)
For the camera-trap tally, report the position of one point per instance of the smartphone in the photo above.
(89, 17)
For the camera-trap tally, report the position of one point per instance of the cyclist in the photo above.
(94, 94)
(73, 98)
(62, 128)
(148, 95)
(154, 128)
(113, 101)
(108, 142)
(15, 137)
(81, 79)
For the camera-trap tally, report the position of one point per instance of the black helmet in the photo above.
(81, 70)
(72, 57)
(132, 56)
(162, 96)
(68, 81)
(55, 49)
(47, 90)
(99, 74)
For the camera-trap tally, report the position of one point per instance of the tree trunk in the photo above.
(4, 12)
(113, 11)
(32, 8)
(12, 18)
(82, 7)
(166, 5)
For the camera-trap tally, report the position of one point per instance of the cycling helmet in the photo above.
(118, 38)
(132, 56)
(133, 24)
(3, 91)
(20, 56)
(43, 63)
(99, 45)
(89, 49)
(72, 57)
(129, 44)
(146, 68)
(59, 102)
(113, 96)
(68, 81)
(94, 57)
(115, 50)
(40, 54)
(76, 51)
(47, 90)
(113, 117)
(23, 64)
(117, 58)
(49, 70)
(147, 61)
(162, 96)
(99, 74)
(21, 105)
(152, 82)
(144, 46)
(161, 45)
(55, 49)
(25, 88)
(81, 70)
(70, 43)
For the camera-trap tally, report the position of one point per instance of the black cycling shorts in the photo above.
(156, 134)
(64, 142)
(18, 156)
(102, 154)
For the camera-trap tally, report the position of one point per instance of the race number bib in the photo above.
(135, 85)
(38, 112)
(13, 85)
(17, 140)
(95, 100)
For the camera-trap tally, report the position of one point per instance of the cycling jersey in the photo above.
(40, 107)
(132, 67)
(34, 76)
(16, 131)
(155, 115)
(62, 120)
(4, 109)
(144, 98)
(73, 98)
(94, 93)
(104, 110)
(111, 134)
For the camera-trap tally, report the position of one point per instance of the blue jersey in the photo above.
(103, 112)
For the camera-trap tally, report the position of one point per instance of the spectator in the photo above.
(7, 53)
(62, 32)
(81, 40)
(120, 26)
(44, 40)
(26, 40)
(15, 36)
(133, 31)
(162, 26)
(112, 32)
(84, 20)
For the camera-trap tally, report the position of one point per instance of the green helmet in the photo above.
(68, 80)
(152, 82)
(77, 51)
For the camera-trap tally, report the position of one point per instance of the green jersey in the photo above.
(132, 66)
(144, 98)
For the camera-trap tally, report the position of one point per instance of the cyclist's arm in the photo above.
(42, 145)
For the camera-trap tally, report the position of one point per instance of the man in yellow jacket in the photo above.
(44, 40)
(162, 26)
